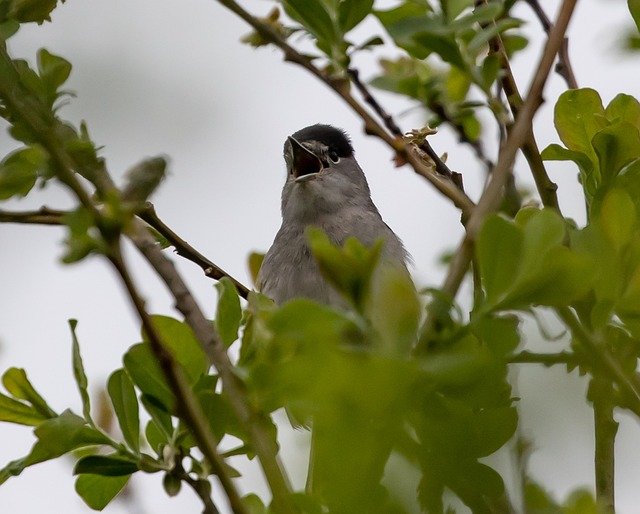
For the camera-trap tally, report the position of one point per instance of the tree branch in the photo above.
(46, 129)
(148, 214)
(490, 199)
(341, 87)
(47, 216)
(393, 127)
(602, 358)
(546, 359)
(204, 331)
(605, 436)
(563, 68)
(187, 405)
(545, 186)
(43, 216)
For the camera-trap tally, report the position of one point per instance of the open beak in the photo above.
(306, 164)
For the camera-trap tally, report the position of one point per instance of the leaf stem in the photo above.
(605, 436)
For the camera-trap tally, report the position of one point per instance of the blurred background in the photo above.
(165, 77)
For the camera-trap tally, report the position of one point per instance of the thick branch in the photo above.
(490, 199)
(371, 126)
(44, 126)
(187, 405)
(233, 387)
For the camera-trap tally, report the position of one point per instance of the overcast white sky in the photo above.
(160, 77)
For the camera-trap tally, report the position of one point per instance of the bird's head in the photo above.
(322, 173)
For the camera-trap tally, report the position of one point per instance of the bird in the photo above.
(325, 187)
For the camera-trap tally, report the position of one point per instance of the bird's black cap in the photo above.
(335, 138)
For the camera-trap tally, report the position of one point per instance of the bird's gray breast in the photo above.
(290, 271)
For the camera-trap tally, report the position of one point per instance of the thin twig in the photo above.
(393, 127)
(42, 216)
(546, 359)
(603, 358)
(184, 249)
(490, 199)
(186, 404)
(47, 216)
(563, 68)
(201, 487)
(371, 126)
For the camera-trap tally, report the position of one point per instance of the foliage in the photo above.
(360, 377)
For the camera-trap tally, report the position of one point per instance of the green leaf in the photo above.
(616, 217)
(8, 28)
(78, 371)
(406, 20)
(616, 146)
(159, 415)
(453, 8)
(499, 333)
(443, 45)
(179, 339)
(482, 14)
(254, 264)
(97, 491)
(171, 484)
(32, 10)
(228, 311)
(79, 242)
(143, 368)
(394, 310)
(125, 405)
(634, 9)
(68, 432)
(482, 37)
(54, 71)
(555, 152)
(20, 170)
(624, 108)
(489, 70)
(113, 465)
(313, 16)
(14, 411)
(56, 436)
(348, 269)
(498, 237)
(352, 12)
(16, 382)
(578, 116)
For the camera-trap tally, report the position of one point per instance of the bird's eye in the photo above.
(333, 155)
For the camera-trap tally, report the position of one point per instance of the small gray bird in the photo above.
(326, 188)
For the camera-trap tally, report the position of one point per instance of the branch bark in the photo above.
(46, 129)
(490, 199)
(188, 407)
